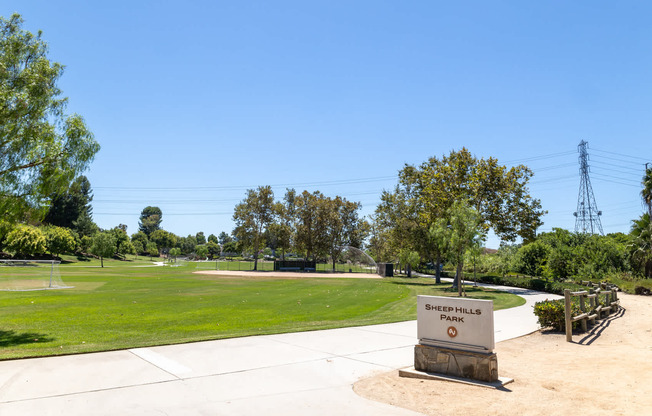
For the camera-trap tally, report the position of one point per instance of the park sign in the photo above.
(464, 324)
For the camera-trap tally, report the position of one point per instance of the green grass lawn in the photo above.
(131, 304)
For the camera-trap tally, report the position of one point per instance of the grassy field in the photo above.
(134, 304)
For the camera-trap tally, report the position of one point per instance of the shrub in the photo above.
(538, 284)
(551, 313)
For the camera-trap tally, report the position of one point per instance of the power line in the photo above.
(243, 187)
(621, 154)
(534, 158)
(615, 158)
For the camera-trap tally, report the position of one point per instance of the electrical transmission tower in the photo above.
(587, 216)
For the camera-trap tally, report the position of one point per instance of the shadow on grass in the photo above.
(11, 338)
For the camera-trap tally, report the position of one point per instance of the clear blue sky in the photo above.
(193, 102)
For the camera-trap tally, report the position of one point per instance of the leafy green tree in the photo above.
(188, 244)
(152, 249)
(213, 238)
(25, 240)
(201, 251)
(85, 244)
(252, 216)
(150, 220)
(42, 149)
(465, 231)
(127, 247)
(230, 248)
(163, 239)
(646, 192)
(379, 247)
(424, 194)
(175, 252)
(138, 247)
(140, 236)
(201, 238)
(224, 238)
(532, 258)
(104, 245)
(285, 227)
(343, 226)
(311, 224)
(641, 245)
(59, 240)
(409, 259)
(84, 225)
(506, 257)
(121, 239)
(214, 249)
(66, 208)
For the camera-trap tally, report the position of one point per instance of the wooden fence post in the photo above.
(583, 309)
(567, 313)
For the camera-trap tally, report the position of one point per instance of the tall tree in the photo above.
(25, 240)
(104, 245)
(465, 230)
(42, 149)
(252, 216)
(150, 220)
(201, 238)
(66, 208)
(343, 226)
(164, 239)
(641, 246)
(425, 193)
(646, 192)
(311, 224)
(224, 238)
(59, 240)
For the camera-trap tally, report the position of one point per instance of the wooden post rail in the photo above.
(595, 309)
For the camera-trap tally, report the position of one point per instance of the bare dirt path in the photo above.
(607, 371)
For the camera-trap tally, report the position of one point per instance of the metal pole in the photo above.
(51, 271)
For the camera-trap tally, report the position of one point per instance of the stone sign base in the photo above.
(456, 363)
(412, 373)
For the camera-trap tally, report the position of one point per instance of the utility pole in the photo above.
(587, 216)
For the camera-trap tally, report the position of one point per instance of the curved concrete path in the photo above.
(306, 373)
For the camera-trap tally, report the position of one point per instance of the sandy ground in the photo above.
(294, 275)
(607, 371)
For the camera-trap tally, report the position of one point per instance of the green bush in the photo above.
(538, 284)
(542, 285)
(551, 313)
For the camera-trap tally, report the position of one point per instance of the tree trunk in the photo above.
(102, 261)
(458, 278)
(255, 262)
(438, 269)
(333, 264)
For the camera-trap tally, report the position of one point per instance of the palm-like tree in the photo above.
(646, 192)
(642, 244)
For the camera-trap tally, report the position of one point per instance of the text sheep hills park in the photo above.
(450, 310)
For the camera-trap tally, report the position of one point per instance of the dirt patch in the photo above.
(607, 371)
(288, 275)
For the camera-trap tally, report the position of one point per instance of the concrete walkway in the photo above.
(307, 373)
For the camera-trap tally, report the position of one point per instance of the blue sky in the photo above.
(193, 102)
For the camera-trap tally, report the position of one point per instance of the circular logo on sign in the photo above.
(452, 331)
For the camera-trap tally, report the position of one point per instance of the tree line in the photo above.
(439, 211)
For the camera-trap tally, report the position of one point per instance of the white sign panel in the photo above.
(466, 324)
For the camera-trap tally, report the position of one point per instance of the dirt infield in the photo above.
(291, 275)
(607, 371)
